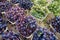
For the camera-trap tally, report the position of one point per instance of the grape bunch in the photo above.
(3, 25)
(38, 11)
(5, 6)
(55, 8)
(2, 6)
(55, 22)
(26, 4)
(10, 35)
(15, 13)
(27, 26)
(43, 34)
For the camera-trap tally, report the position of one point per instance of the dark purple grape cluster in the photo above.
(26, 4)
(8, 5)
(55, 22)
(10, 35)
(5, 6)
(2, 7)
(3, 25)
(15, 13)
(43, 34)
(27, 26)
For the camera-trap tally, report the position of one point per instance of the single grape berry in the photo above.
(55, 22)
(27, 26)
(43, 34)
(10, 35)
(3, 25)
(15, 13)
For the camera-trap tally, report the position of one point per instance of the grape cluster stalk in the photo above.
(5, 6)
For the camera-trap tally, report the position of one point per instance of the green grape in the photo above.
(38, 11)
(38, 14)
(39, 8)
(54, 7)
(40, 2)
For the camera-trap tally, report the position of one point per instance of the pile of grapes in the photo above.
(39, 9)
(23, 14)
(26, 4)
(27, 26)
(55, 22)
(43, 34)
(15, 13)
(10, 35)
(55, 8)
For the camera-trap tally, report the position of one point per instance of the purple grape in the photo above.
(15, 13)
(10, 35)
(27, 26)
(26, 4)
(5, 6)
(55, 22)
(3, 25)
(43, 35)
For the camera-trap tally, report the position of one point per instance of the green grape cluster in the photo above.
(38, 11)
(54, 7)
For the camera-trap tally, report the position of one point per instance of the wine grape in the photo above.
(15, 13)
(27, 26)
(5, 6)
(55, 22)
(10, 35)
(26, 4)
